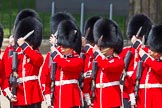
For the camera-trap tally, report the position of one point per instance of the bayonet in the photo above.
(139, 30)
(28, 34)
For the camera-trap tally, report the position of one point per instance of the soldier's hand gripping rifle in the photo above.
(138, 77)
(14, 75)
(52, 76)
(82, 55)
(93, 84)
(138, 73)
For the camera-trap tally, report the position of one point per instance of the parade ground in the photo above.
(5, 102)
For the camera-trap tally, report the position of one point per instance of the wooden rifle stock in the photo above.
(52, 77)
(82, 55)
(93, 85)
(14, 75)
(126, 62)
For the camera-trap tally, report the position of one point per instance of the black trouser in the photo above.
(75, 107)
(36, 105)
(126, 103)
(85, 105)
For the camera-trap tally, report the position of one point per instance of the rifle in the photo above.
(126, 62)
(138, 77)
(28, 34)
(10, 52)
(52, 76)
(82, 55)
(93, 85)
(14, 75)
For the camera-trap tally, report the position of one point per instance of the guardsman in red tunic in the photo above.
(109, 43)
(46, 69)
(150, 84)
(21, 15)
(29, 60)
(1, 63)
(88, 39)
(69, 66)
(134, 24)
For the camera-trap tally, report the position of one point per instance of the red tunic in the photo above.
(69, 69)
(1, 72)
(5, 61)
(29, 63)
(67, 92)
(150, 88)
(107, 92)
(45, 75)
(109, 71)
(87, 77)
(131, 67)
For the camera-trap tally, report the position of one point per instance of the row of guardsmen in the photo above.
(89, 71)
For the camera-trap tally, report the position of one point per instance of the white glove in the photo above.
(48, 100)
(132, 99)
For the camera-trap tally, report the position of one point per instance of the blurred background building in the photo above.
(121, 11)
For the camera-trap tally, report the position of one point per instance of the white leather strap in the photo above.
(150, 85)
(64, 82)
(27, 78)
(103, 85)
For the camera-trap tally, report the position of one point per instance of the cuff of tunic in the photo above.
(136, 44)
(53, 55)
(8, 92)
(24, 46)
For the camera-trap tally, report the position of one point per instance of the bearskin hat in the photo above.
(1, 35)
(69, 36)
(88, 28)
(57, 18)
(26, 13)
(155, 38)
(137, 21)
(111, 33)
(25, 26)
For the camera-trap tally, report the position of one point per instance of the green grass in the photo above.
(10, 8)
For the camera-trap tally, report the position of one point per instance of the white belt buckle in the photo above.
(19, 80)
(61, 83)
(101, 85)
(146, 86)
